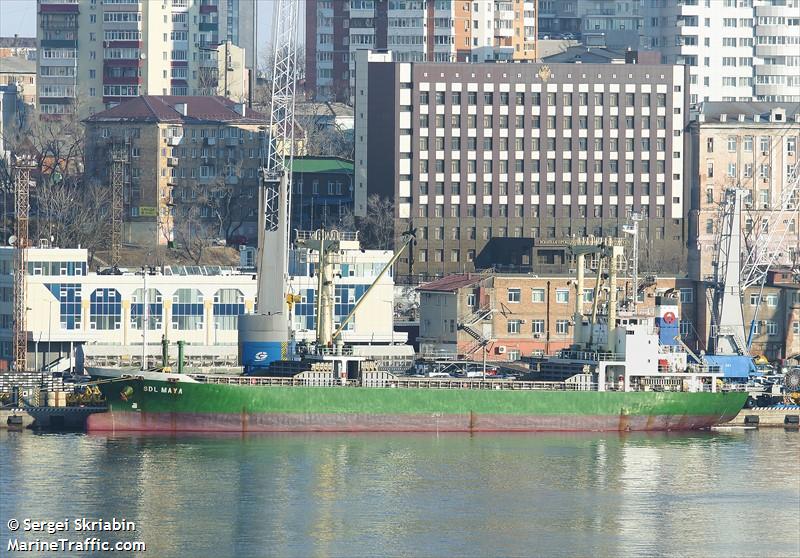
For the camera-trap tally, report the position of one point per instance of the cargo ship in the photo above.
(626, 371)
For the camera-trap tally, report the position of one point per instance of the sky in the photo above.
(19, 17)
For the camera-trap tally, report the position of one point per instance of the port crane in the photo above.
(264, 336)
(736, 270)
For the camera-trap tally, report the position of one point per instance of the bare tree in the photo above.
(192, 233)
(376, 228)
(73, 213)
(262, 88)
(323, 137)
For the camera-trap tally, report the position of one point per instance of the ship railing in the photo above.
(335, 351)
(592, 356)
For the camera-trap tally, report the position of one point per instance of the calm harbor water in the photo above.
(723, 494)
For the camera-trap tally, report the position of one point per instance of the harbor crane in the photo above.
(736, 270)
(264, 336)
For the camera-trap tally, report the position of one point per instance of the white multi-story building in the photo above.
(104, 51)
(415, 31)
(736, 50)
(73, 314)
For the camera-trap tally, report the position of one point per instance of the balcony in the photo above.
(210, 141)
(172, 161)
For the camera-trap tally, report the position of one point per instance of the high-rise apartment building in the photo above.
(102, 52)
(472, 152)
(414, 30)
(736, 50)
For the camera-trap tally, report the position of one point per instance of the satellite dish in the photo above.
(12, 240)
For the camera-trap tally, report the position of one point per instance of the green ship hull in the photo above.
(154, 405)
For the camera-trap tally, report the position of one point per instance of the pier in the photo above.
(787, 416)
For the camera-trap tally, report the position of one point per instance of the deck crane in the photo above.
(265, 335)
(735, 271)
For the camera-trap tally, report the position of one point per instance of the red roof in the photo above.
(161, 108)
(451, 283)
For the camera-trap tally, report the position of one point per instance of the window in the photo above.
(514, 326)
(537, 327)
(562, 327)
(687, 296)
(562, 296)
(187, 309)
(771, 327)
(537, 295)
(771, 299)
(105, 309)
(796, 328)
(514, 295)
(228, 306)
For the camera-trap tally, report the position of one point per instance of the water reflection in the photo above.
(420, 495)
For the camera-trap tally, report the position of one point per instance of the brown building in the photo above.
(475, 152)
(191, 165)
(519, 314)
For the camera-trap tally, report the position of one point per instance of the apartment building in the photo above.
(21, 72)
(736, 50)
(752, 146)
(185, 155)
(97, 53)
(475, 152)
(617, 22)
(521, 314)
(415, 30)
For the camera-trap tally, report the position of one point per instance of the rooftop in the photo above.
(169, 109)
(587, 55)
(335, 110)
(451, 283)
(322, 164)
(16, 65)
(729, 112)
(17, 42)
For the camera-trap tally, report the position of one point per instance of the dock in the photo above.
(47, 418)
(787, 416)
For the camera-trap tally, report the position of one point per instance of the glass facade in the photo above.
(187, 309)
(105, 309)
(155, 309)
(228, 305)
(69, 298)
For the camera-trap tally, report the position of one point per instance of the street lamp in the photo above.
(49, 329)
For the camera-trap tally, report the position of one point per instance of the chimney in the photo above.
(182, 108)
(240, 108)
